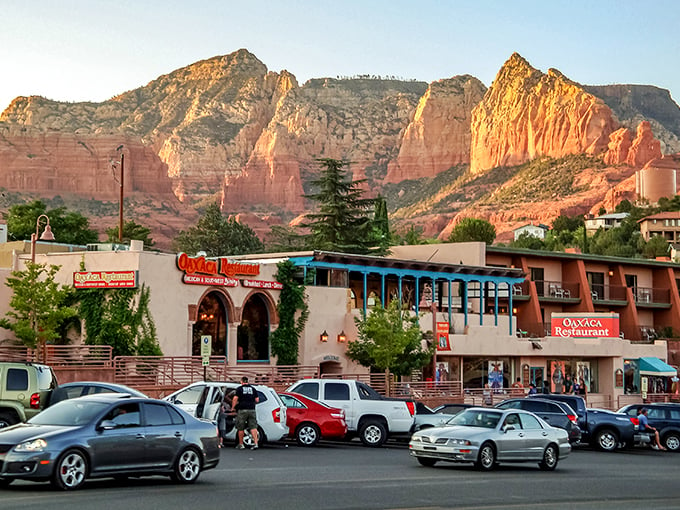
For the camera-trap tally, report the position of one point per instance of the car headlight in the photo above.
(416, 438)
(36, 445)
(460, 442)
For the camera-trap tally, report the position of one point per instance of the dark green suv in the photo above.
(24, 390)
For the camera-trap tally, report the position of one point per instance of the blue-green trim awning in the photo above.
(656, 367)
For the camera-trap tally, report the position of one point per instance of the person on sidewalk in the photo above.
(244, 402)
(646, 427)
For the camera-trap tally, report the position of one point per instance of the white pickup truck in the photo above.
(368, 414)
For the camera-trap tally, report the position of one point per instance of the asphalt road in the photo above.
(349, 476)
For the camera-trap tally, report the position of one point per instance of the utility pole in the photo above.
(122, 192)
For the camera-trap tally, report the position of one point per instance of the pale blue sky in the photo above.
(91, 50)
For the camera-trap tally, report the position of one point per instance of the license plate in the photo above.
(430, 448)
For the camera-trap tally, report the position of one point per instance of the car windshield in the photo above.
(69, 413)
(476, 418)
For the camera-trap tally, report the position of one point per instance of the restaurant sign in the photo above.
(204, 279)
(219, 268)
(585, 325)
(105, 279)
(261, 284)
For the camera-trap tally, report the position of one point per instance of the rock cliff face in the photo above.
(55, 162)
(202, 120)
(622, 149)
(358, 120)
(635, 103)
(438, 137)
(526, 113)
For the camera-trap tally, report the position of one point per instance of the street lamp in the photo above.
(121, 182)
(47, 234)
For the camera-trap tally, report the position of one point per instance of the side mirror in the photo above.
(107, 425)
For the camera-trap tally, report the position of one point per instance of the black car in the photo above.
(107, 435)
(82, 388)
(665, 417)
(453, 408)
(602, 429)
(556, 414)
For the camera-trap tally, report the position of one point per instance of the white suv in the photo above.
(202, 399)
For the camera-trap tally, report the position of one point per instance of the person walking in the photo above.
(244, 402)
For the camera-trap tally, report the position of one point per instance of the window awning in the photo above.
(656, 367)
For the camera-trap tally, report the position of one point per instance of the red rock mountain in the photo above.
(228, 129)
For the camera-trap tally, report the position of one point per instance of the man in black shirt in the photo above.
(244, 402)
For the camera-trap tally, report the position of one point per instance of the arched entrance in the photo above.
(253, 332)
(211, 320)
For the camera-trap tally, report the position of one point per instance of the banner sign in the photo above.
(443, 336)
(215, 267)
(201, 279)
(104, 279)
(261, 284)
(585, 325)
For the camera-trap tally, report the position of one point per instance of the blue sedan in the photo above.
(107, 435)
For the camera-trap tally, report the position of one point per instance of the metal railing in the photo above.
(174, 372)
(557, 289)
(608, 293)
(59, 355)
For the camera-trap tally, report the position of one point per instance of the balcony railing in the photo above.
(608, 293)
(649, 295)
(557, 289)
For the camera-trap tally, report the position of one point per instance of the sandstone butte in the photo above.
(228, 129)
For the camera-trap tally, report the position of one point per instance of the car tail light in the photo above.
(573, 418)
(35, 401)
(276, 415)
(340, 415)
(411, 407)
(636, 422)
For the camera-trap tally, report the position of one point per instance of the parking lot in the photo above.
(349, 476)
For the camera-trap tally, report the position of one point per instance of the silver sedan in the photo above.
(486, 437)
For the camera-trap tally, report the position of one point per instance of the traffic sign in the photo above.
(206, 345)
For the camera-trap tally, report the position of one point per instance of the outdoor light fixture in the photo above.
(342, 337)
(611, 273)
(324, 336)
(514, 311)
(47, 234)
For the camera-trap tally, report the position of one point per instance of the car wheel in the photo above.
(373, 433)
(70, 471)
(550, 457)
(426, 461)
(307, 434)
(672, 441)
(187, 466)
(248, 439)
(606, 440)
(486, 460)
(7, 420)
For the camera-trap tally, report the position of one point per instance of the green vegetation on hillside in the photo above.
(543, 179)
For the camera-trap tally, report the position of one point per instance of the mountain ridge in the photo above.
(228, 129)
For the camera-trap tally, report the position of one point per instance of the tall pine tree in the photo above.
(343, 221)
